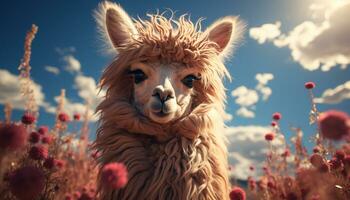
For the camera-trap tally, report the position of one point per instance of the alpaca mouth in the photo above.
(161, 114)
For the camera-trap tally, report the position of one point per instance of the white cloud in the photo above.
(247, 147)
(335, 95)
(227, 117)
(10, 91)
(263, 79)
(245, 112)
(321, 45)
(72, 64)
(266, 32)
(52, 69)
(245, 96)
(88, 89)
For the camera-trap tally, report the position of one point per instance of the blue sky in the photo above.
(65, 25)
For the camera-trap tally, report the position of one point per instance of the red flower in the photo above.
(316, 149)
(60, 163)
(237, 193)
(47, 139)
(28, 119)
(34, 137)
(251, 168)
(63, 117)
(27, 182)
(12, 136)
(269, 136)
(38, 152)
(276, 116)
(49, 163)
(334, 124)
(76, 116)
(114, 175)
(43, 130)
(340, 154)
(309, 85)
(316, 160)
(273, 123)
(286, 153)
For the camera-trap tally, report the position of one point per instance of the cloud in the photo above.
(53, 70)
(263, 79)
(244, 112)
(88, 89)
(247, 147)
(335, 95)
(320, 45)
(245, 96)
(266, 32)
(72, 64)
(10, 91)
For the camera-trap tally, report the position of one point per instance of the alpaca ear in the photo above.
(226, 33)
(115, 24)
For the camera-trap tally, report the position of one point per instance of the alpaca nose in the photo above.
(163, 94)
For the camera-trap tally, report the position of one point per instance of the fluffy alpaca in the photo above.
(162, 113)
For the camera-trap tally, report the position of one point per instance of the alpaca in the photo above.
(162, 115)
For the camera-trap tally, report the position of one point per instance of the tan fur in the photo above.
(184, 159)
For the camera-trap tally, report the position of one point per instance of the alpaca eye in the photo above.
(188, 80)
(139, 76)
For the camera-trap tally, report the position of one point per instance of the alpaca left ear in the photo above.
(226, 33)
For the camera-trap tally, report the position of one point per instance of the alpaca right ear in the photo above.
(115, 24)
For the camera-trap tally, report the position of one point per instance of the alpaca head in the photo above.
(165, 67)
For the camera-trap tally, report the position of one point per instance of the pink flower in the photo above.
(34, 137)
(316, 160)
(76, 116)
(340, 154)
(49, 163)
(237, 193)
(276, 116)
(114, 175)
(27, 182)
(28, 119)
(43, 130)
(334, 124)
(273, 123)
(60, 163)
(46, 139)
(12, 136)
(286, 153)
(310, 85)
(38, 152)
(63, 117)
(269, 136)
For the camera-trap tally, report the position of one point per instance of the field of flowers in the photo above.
(40, 162)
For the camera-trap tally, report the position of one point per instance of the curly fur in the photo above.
(185, 159)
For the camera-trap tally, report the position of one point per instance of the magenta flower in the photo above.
(334, 125)
(63, 117)
(12, 136)
(276, 116)
(27, 182)
(237, 193)
(28, 119)
(43, 130)
(34, 137)
(269, 136)
(114, 175)
(38, 152)
(310, 85)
